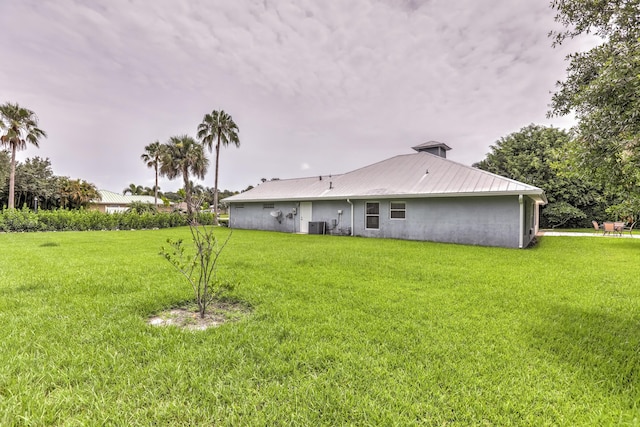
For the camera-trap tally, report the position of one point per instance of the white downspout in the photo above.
(521, 238)
(536, 219)
(349, 201)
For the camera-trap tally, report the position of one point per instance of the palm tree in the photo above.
(77, 193)
(151, 156)
(218, 126)
(196, 189)
(182, 155)
(133, 189)
(141, 207)
(21, 125)
(148, 191)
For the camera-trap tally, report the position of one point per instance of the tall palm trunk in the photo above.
(155, 190)
(215, 189)
(12, 177)
(187, 193)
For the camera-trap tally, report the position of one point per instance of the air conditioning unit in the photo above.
(317, 227)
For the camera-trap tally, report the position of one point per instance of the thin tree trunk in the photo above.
(215, 188)
(12, 177)
(155, 190)
(187, 193)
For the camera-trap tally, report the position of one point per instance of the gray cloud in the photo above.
(331, 85)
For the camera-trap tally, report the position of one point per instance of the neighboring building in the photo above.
(114, 202)
(420, 196)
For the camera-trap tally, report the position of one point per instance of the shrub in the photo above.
(560, 213)
(19, 220)
(13, 220)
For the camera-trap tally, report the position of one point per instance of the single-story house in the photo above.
(419, 196)
(111, 202)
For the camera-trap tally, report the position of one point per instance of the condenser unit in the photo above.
(317, 227)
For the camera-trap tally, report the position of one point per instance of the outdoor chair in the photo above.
(609, 228)
(618, 227)
(596, 227)
(630, 228)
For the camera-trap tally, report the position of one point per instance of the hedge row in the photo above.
(14, 220)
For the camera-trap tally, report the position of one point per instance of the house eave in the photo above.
(536, 195)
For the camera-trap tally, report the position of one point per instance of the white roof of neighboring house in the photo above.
(409, 176)
(111, 198)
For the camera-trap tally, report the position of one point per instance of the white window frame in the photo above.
(367, 215)
(392, 209)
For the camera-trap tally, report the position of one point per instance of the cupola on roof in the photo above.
(433, 147)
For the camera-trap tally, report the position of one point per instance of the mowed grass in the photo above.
(344, 331)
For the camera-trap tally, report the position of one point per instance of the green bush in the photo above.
(19, 220)
(23, 220)
(561, 213)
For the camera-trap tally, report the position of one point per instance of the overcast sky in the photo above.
(315, 87)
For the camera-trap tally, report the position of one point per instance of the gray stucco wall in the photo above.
(486, 221)
(327, 211)
(255, 216)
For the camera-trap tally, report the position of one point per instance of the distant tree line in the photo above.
(35, 185)
(535, 155)
(204, 194)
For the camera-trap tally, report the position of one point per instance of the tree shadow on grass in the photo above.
(600, 347)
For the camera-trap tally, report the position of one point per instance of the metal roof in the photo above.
(111, 198)
(409, 176)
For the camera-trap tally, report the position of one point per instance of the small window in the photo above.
(268, 206)
(372, 215)
(239, 205)
(398, 210)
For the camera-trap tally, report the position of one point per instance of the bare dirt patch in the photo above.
(187, 317)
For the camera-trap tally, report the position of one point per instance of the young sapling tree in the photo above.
(199, 265)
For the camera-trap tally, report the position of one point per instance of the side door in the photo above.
(305, 217)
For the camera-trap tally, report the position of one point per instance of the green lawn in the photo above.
(344, 331)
